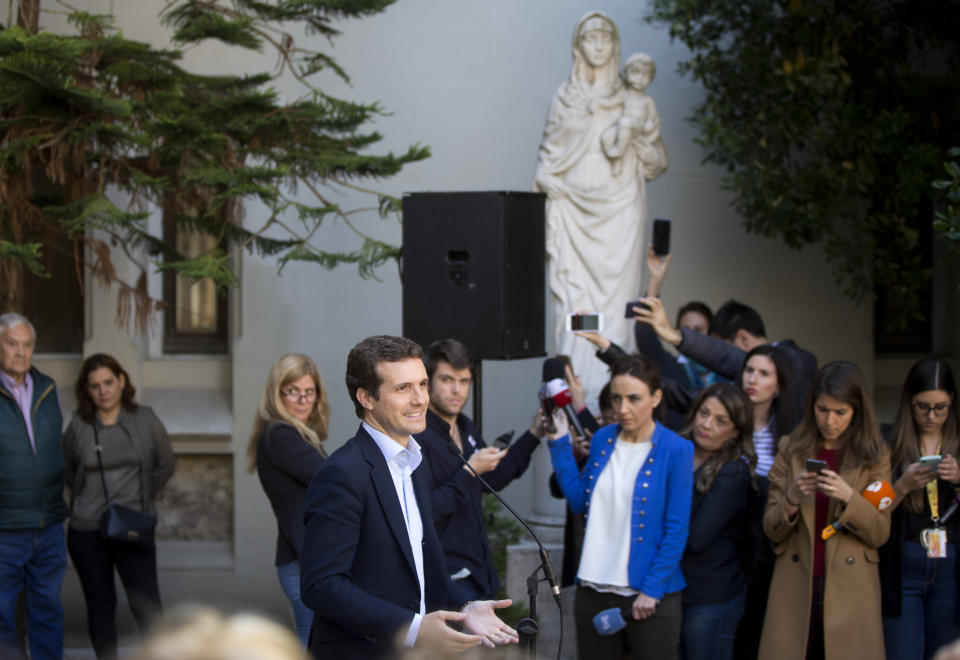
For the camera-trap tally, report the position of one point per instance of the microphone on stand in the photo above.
(544, 557)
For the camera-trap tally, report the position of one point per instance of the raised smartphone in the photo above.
(632, 308)
(585, 322)
(661, 237)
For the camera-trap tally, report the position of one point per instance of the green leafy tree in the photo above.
(830, 119)
(92, 117)
(947, 221)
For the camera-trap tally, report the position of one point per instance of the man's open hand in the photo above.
(482, 620)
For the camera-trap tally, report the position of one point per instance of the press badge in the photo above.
(934, 540)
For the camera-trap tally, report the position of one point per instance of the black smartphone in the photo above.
(632, 308)
(504, 440)
(661, 237)
(815, 466)
(546, 406)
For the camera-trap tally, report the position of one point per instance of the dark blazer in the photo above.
(711, 561)
(285, 464)
(456, 495)
(357, 571)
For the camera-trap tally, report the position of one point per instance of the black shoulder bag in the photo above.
(120, 523)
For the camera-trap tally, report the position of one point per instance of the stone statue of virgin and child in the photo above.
(600, 145)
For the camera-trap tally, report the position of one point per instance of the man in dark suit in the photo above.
(372, 567)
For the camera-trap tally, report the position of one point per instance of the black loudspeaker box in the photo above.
(473, 269)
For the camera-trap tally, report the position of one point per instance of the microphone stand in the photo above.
(527, 628)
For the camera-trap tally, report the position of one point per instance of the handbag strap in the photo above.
(97, 448)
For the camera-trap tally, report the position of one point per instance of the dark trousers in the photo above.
(815, 648)
(657, 637)
(95, 559)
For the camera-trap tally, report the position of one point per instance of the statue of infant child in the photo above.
(640, 123)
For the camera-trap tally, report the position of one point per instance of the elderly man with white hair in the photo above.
(32, 509)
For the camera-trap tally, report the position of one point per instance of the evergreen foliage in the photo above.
(86, 115)
(830, 119)
(948, 219)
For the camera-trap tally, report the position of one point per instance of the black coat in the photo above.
(455, 495)
(285, 464)
(712, 565)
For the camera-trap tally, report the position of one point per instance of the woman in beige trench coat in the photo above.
(843, 594)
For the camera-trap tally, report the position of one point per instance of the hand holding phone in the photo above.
(815, 466)
(546, 412)
(661, 237)
(503, 441)
(584, 322)
(931, 462)
(633, 306)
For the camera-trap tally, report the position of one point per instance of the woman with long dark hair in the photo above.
(285, 450)
(767, 379)
(919, 572)
(720, 426)
(137, 460)
(825, 594)
(636, 487)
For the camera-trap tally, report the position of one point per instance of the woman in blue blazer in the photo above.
(635, 490)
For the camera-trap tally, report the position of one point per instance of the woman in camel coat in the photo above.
(825, 596)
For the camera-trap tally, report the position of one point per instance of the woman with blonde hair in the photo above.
(285, 450)
(825, 595)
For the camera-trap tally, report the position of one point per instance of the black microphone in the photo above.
(556, 389)
(544, 557)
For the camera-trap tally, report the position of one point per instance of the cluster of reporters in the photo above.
(777, 519)
(722, 501)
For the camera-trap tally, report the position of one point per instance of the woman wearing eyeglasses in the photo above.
(918, 565)
(285, 450)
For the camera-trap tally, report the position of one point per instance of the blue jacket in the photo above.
(31, 480)
(661, 509)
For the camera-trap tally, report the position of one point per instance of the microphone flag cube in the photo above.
(609, 621)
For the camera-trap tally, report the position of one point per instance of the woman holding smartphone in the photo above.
(636, 489)
(825, 595)
(918, 565)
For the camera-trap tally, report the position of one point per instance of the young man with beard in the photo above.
(456, 493)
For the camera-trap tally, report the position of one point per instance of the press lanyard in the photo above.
(933, 493)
